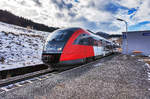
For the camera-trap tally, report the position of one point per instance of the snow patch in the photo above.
(96, 65)
(20, 47)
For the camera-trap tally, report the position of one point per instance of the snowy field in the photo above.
(20, 47)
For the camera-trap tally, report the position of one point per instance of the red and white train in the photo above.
(74, 46)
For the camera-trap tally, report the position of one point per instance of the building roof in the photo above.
(144, 31)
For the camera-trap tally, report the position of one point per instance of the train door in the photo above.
(79, 46)
(98, 48)
(103, 47)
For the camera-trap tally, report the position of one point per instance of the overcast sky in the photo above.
(96, 15)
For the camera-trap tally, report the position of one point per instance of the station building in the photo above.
(136, 41)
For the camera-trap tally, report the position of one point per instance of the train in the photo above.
(71, 46)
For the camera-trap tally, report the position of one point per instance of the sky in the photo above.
(95, 15)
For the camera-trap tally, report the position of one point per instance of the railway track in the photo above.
(14, 82)
(18, 81)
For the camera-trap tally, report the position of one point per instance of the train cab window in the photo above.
(60, 35)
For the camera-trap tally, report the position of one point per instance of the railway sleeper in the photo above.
(21, 71)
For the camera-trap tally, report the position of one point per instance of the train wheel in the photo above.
(94, 58)
(90, 59)
(84, 60)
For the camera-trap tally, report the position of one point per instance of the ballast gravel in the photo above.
(117, 77)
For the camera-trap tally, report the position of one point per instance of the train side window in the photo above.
(99, 43)
(103, 43)
(95, 42)
(81, 39)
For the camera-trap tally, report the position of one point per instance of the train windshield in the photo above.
(59, 35)
(56, 40)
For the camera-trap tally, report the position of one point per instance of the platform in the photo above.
(114, 77)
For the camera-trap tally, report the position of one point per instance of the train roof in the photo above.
(77, 28)
(70, 29)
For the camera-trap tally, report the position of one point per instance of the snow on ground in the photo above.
(20, 47)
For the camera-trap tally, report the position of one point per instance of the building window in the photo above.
(146, 34)
(124, 36)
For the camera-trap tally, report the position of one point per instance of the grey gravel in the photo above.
(119, 77)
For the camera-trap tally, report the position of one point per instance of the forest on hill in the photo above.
(8, 17)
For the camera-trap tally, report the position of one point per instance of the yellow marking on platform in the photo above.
(29, 81)
(39, 78)
(18, 85)
(46, 77)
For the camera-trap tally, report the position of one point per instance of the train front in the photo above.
(54, 45)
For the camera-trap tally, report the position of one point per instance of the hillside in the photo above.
(10, 18)
(19, 46)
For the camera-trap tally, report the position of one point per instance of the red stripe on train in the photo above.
(73, 52)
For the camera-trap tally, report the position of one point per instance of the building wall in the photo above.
(138, 40)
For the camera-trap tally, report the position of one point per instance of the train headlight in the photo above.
(59, 49)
